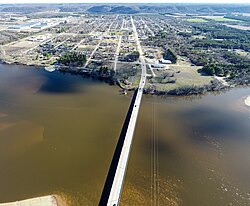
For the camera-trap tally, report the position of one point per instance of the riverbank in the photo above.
(214, 86)
(111, 78)
(51, 200)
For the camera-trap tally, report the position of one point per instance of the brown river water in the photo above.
(58, 133)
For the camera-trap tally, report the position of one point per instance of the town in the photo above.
(185, 54)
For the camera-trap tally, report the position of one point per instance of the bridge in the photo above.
(113, 186)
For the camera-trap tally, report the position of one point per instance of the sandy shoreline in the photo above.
(247, 101)
(50, 200)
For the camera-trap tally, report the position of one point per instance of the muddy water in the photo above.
(201, 154)
(58, 133)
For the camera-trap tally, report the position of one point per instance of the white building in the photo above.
(157, 66)
(165, 61)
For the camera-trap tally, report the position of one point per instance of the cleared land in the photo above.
(196, 20)
(177, 76)
(219, 19)
(242, 53)
(238, 27)
(222, 19)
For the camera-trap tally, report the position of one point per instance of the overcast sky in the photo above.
(124, 1)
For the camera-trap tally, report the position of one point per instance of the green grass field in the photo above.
(225, 19)
(187, 76)
(196, 20)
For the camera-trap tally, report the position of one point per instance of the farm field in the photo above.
(196, 20)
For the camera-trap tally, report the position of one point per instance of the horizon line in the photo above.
(124, 3)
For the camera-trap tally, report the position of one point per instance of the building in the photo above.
(41, 26)
(45, 24)
(24, 26)
(165, 61)
(35, 25)
(157, 66)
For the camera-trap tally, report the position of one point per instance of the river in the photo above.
(58, 133)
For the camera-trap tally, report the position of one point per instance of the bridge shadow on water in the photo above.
(114, 163)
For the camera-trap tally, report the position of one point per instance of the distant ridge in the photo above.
(124, 10)
(100, 9)
(129, 8)
(113, 9)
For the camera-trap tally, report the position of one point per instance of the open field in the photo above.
(85, 47)
(177, 76)
(219, 19)
(222, 19)
(3, 28)
(242, 53)
(225, 19)
(196, 20)
(246, 28)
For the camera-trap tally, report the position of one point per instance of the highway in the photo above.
(116, 190)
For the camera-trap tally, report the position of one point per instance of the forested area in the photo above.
(72, 59)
